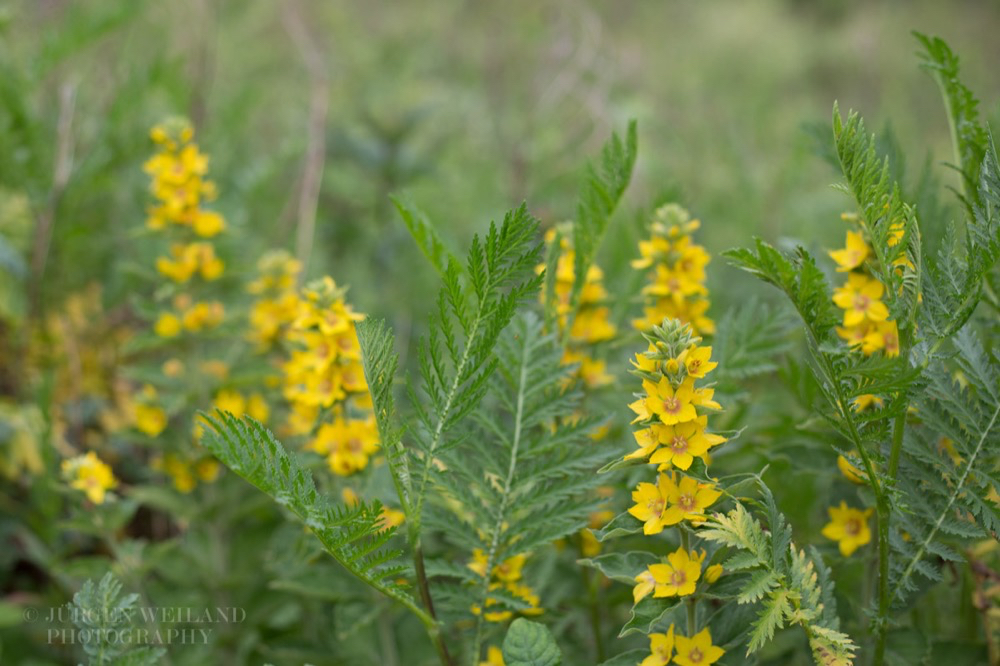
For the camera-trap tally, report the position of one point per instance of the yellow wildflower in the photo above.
(859, 298)
(697, 650)
(679, 576)
(167, 325)
(852, 473)
(688, 500)
(661, 648)
(91, 475)
(848, 527)
(494, 657)
(669, 405)
(853, 255)
(651, 505)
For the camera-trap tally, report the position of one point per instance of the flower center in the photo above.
(891, 343)
(678, 578)
(354, 444)
(679, 444)
(695, 656)
(693, 365)
(656, 506)
(671, 405)
(853, 526)
(686, 502)
(861, 302)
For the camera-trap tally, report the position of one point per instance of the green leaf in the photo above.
(630, 658)
(530, 643)
(621, 525)
(622, 567)
(648, 613)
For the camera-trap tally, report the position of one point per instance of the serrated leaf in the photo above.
(530, 643)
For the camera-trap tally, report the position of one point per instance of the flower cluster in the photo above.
(179, 188)
(672, 418)
(323, 375)
(505, 576)
(91, 475)
(590, 324)
(694, 651)
(675, 265)
(866, 323)
(277, 302)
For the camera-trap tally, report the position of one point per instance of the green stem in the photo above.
(591, 583)
(429, 618)
(692, 610)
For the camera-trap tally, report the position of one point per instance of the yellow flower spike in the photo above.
(91, 475)
(697, 650)
(679, 576)
(853, 255)
(848, 527)
(661, 648)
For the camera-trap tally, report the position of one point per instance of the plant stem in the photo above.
(692, 610)
(433, 630)
(591, 583)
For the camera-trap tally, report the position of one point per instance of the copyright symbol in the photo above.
(30, 614)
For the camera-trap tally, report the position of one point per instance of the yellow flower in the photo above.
(150, 419)
(661, 648)
(207, 469)
(671, 406)
(167, 325)
(864, 401)
(688, 500)
(678, 577)
(697, 650)
(391, 518)
(859, 298)
(494, 657)
(684, 442)
(230, 401)
(257, 407)
(696, 361)
(91, 475)
(853, 474)
(883, 336)
(173, 367)
(207, 223)
(651, 505)
(713, 573)
(853, 255)
(848, 527)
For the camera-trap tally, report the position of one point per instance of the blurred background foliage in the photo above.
(469, 108)
(472, 107)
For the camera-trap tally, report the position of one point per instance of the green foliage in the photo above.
(522, 478)
(944, 500)
(602, 189)
(792, 588)
(884, 215)
(530, 644)
(968, 135)
(353, 536)
(748, 340)
(102, 612)
(457, 360)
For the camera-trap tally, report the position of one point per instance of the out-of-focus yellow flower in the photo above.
(494, 657)
(852, 473)
(675, 266)
(697, 650)
(848, 527)
(853, 255)
(91, 475)
(167, 325)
